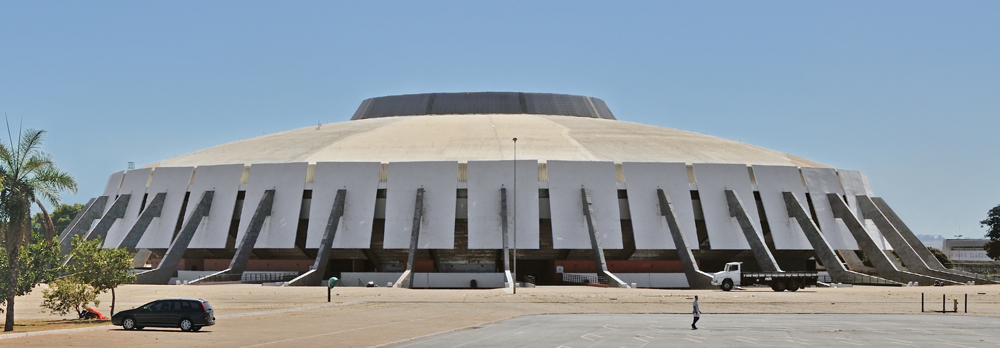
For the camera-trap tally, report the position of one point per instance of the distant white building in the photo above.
(966, 250)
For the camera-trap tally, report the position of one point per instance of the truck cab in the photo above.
(729, 277)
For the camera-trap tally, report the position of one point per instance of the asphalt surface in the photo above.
(726, 330)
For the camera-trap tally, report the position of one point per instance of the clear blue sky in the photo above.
(905, 91)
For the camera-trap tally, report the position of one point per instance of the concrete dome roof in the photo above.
(468, 137)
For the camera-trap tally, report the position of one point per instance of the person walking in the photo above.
(696, 312)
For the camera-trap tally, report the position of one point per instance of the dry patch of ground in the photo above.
(32, 325)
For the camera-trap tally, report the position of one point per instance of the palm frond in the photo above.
(35, 163)
(49, 181)
(28, 144)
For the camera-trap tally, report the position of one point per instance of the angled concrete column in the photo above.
(908, 235)
(239, 262)
(80, 224)
(599, 263)
(506, 251)
(315, 275)
(168, 265)
(824, 252)
(854, 262)
(906, 251)
(876, 255)
(695, 277)
(152, 211)
(117, 211)
(503, 228)
(406, 280)
(760, 251)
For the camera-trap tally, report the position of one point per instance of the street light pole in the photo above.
(515, 216)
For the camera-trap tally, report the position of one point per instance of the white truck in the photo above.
(732, 277)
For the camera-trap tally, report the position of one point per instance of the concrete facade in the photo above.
(588, 187)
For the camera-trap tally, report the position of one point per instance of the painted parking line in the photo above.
(846, 341)
(799, 341)
(951, 343)
(901, 342)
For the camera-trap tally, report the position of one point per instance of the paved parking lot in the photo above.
(256, 316)
(726, 330)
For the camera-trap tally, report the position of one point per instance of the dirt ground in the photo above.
(254, 315)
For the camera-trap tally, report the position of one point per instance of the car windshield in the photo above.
(147, 305)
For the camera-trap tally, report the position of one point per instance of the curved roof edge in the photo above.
(483, 103)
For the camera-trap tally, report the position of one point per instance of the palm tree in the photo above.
(27, 176)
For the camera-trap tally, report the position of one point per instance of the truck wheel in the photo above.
(778, 286)
(793, 285)
(727, 285)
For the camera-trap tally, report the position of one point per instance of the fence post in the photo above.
(921, 302)
(966, 303)
(944, 304)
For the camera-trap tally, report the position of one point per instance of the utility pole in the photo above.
(515, 216)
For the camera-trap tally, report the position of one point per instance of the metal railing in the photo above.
(583, 278)
(250, 278)
(258, 278)
(862, 279)
(989, 272)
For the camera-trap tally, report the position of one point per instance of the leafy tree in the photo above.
(61, 217)
(992, 224)
(104, 269)
(940, 255)
(38, 262)
(66, 294)
(27, 176)
(64, 214)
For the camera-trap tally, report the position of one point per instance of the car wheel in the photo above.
(196, 328)
(793, 285)
(186, 325)
(128, 323)
(778, 286)
(727, 285)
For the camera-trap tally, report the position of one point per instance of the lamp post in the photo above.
(515, 216)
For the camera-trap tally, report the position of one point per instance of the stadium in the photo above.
(433, 191)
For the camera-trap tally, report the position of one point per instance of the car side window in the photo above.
(186, 306)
